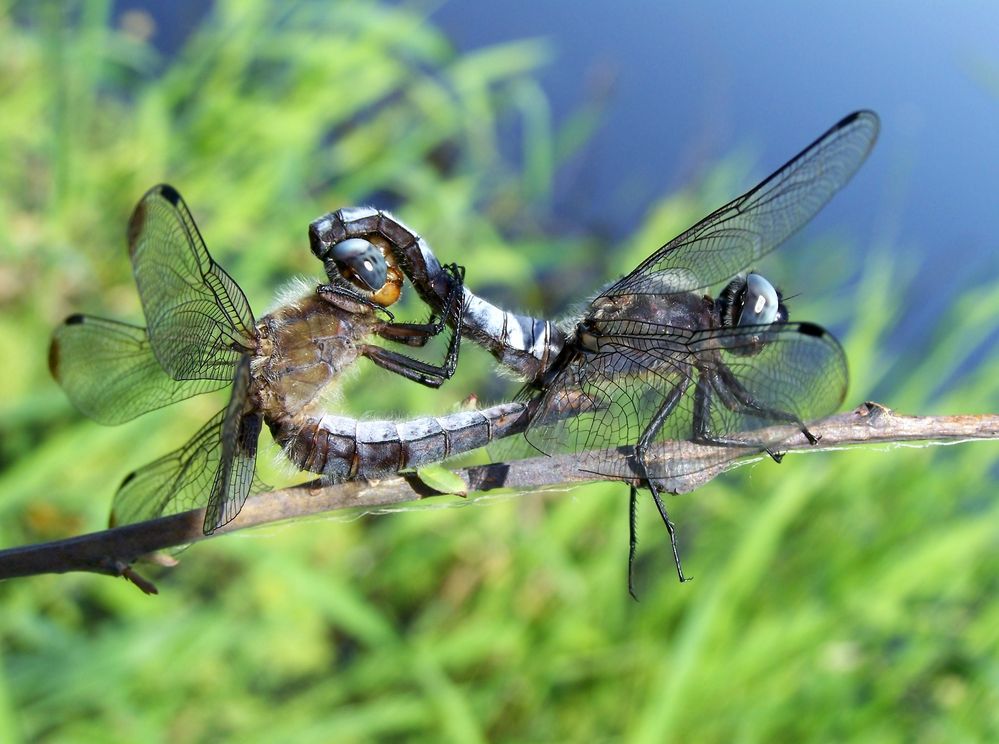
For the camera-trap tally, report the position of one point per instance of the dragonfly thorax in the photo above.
(304, 346)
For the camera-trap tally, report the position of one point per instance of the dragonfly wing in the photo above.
(790, 374)
(198, 320)
(739, 233)
(240, 430)
(174, 483)
(601, 406)
(110, 373)
(214, 468)
(601, 403)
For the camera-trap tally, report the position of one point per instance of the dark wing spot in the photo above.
(810, 329)
(850, 118)
(128, 479)
(135, 224)
(169, 193)
(54, 359)
(55, 352)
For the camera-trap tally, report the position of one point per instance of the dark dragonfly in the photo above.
(654, 363)
(201, 336)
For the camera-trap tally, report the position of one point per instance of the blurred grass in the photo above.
(844, 595)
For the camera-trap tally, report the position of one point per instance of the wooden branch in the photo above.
(113, 551)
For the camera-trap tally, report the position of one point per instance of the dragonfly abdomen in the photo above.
(528, 345)
(343, 448)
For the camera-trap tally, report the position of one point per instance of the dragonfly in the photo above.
(654, 362)
(200, 335)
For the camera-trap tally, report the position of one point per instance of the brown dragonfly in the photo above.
(200, 335)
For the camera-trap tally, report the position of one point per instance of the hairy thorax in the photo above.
(303, 347)
(683, 311)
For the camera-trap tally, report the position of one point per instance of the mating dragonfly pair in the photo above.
(652, 364)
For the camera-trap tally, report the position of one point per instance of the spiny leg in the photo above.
(644, 442)
(632, 540)
(727, 384)
(431, 375)
(455, 317)
(702, 415)
(417, 334)
(412, 334)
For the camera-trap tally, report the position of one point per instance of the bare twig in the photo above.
(113, 551)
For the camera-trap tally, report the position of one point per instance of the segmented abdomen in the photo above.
(344, 448)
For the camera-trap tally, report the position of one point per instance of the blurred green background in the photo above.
(847, 595)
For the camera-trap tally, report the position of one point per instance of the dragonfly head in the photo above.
(363, 264)
(751, 300)
(360, 263)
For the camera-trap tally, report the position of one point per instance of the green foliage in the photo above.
(843, 595)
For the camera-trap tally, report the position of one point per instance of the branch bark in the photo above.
(114, 551)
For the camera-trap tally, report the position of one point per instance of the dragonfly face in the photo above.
(360, 263)
(365, 265)
(751, 300)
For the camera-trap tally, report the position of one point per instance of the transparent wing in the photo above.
(600, 405)
(234, 477)
(796, 373)
(215, 469)
(199, 323)
(109, 371)
(197, 318)
(733, 237)
(175, 482)
(756, 386)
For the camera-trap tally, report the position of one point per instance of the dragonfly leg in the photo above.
(644, 442)
(736, 398)
(419, 371)
(431, 375)
(708, 381)
(702, 417)
(417, 334)
(411, 334)
(632, 540)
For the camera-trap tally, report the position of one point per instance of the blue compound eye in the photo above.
(761, 303)
(360, 263)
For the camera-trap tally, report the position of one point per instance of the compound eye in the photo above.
(761, 303)
(360, 263)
